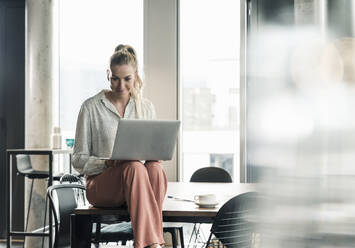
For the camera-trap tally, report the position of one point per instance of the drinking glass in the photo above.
(69, 142)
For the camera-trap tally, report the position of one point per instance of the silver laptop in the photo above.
(145, 140)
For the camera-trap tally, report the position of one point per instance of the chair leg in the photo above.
(83, 197)
(29, 206)
(98, 231)
(197, 234)
(201, 233)
(192, 234)
(28, 212)
(45, 217)
(181, 232)
(209, 240)
(200, 236)
(173, 238)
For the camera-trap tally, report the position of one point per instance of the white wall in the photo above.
(161, 64)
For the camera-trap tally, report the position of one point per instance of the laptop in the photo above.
(145, 140)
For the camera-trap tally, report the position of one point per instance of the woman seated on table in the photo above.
(113, 183)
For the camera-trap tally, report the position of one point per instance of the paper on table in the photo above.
(179, 199)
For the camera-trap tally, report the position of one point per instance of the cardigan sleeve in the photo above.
(82, 161)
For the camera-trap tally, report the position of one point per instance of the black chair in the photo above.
(172, 231)
(71, 178)
(65, 205)
(211, 175)
(208, 175)
(234, 224)
(24, 168)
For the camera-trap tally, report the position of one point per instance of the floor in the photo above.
(3, 245)
(187, 233)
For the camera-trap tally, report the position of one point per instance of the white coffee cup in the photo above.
(206, 199)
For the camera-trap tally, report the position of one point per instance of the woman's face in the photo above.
(122, 79)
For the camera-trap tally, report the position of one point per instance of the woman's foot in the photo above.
(155, 246)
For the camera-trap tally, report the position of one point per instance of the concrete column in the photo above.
(160, 68)
(39, 77)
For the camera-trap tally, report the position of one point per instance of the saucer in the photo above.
(207, 205)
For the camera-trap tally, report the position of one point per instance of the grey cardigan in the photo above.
(96, 130)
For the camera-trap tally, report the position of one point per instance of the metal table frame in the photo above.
(82, 220)
(30, 151)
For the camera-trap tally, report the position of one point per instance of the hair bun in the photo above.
(127, 48)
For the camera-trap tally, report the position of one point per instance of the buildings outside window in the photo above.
(209, 75)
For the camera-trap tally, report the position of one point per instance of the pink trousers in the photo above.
(142, 187)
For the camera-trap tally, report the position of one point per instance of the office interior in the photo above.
(263, 89)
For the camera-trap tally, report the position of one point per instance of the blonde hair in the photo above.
(126, 55)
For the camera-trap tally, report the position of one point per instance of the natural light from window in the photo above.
(209, 70)
(89, 32)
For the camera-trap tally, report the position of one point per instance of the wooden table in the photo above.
(30, 151)
(173, 210)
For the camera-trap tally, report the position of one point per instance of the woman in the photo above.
(113, 183)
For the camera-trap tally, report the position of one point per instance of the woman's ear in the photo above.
(108, 73)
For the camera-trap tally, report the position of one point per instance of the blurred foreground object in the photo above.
(302, 132)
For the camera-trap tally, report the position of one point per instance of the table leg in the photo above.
(80, 231)
(9, 190)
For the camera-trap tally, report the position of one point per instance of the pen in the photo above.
(179, 199)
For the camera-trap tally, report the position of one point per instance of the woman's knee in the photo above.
(135, 166)
(154, 166)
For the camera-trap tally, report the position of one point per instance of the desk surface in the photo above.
(44, 150)
(179, 208)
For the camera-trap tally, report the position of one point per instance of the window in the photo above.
(209, 73)
(88, 34)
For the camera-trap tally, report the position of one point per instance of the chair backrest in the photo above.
(233, 224)
(70, 178)
(62, 209)
(23, 163)
(211, 175)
